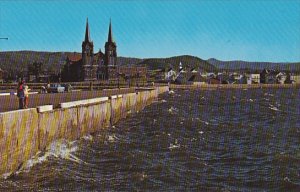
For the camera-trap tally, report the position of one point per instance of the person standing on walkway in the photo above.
(21, 95)
(26, 94)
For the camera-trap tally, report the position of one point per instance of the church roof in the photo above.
(196, 78)
(98, 57)
(74, 57)
(170, 69)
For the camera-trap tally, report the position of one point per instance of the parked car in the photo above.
(68, 87)
(56, 88)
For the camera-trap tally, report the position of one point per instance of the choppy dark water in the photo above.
(223, 140)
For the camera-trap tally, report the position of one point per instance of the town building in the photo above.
(213, 80)
(91, 66)
(263, 75)
(223, 77)
(255, 78)
(170, 74)
(272, 77)
(295, 78)
(281, 77)
(83, 67)
(189, 76)
(197, 79)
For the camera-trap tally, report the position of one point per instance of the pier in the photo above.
(25, 132)
(10, 102)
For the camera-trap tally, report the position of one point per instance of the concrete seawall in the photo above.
(25, 132)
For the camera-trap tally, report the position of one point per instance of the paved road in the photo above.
(9, 103)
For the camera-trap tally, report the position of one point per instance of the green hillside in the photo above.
(186, 60)
(16, 62)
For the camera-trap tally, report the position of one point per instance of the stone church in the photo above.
(90, 66)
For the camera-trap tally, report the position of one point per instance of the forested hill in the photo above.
(17, 61)
(186, 60)
(246, 65)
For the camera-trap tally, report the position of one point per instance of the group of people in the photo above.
(23, 95)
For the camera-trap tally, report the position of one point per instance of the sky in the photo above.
(261, 30)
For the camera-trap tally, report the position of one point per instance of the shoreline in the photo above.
(25, 132)
(235, 86)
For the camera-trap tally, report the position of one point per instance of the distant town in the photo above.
(93, 66)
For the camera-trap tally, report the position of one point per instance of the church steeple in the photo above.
(87, 32)
(87, 72)
(110, 58)
(110, 36)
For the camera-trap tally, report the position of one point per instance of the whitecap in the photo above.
(205, 122)
(272, 107)
(62, 149)
(287, 179)
(173, 110)
(174, 146)
(88, 137)
(171, 92)
(6, 175)
(112, 138)
(268, 94)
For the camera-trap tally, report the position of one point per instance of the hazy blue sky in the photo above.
(266, 30)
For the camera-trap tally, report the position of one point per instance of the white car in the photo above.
(56, 88)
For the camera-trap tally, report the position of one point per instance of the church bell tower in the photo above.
(110, 59)
(87, 55)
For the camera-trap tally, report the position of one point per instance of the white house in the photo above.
(254, 78)
(170, 74)
(295, 78)
(281, 77)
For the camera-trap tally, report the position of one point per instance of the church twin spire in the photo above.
(88, 37)
(110, 55)
(87, 32)
(110, 36)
